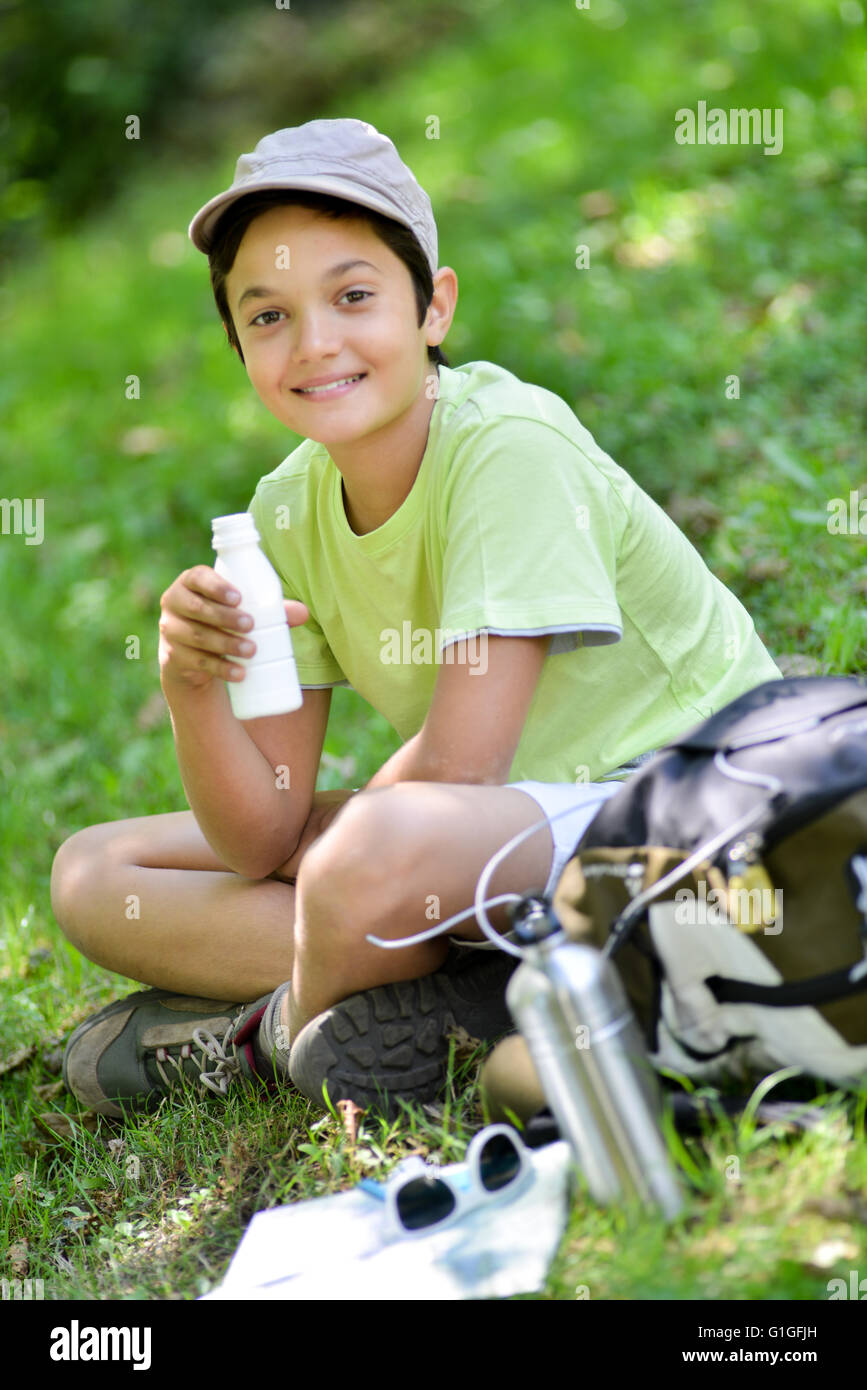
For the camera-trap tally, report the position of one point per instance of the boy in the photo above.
(455, 546)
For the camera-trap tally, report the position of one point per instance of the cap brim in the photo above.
(202, 228)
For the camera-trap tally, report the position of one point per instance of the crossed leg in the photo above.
(149, 898)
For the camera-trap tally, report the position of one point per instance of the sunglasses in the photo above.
(419, 1195)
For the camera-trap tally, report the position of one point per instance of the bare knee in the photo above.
(353, 878)
(79, 865)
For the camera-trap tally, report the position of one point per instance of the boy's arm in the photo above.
(470, 734)
(476, 716)
(251, 814)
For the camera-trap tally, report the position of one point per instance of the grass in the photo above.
(704, 263)
(155, 1206)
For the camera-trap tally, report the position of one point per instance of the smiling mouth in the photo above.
(333, 387)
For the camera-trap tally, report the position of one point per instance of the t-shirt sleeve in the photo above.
(532, 532)
(314, 659)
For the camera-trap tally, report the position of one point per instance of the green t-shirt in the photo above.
(517, 523)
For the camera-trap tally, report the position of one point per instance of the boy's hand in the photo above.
(202, 629)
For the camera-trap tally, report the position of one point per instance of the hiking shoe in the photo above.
(133, 1052)
(392, 1041)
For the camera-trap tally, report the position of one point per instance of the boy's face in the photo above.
(302, 319)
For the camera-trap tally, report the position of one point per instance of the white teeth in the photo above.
(332, 386)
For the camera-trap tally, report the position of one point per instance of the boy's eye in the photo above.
(269, 316)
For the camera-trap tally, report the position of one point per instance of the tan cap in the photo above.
(345, 157)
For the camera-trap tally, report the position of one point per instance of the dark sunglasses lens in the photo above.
(500, 1163)
(424, 1202)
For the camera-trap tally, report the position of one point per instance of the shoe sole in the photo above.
(392, 1042)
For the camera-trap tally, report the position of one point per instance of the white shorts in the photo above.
(569, 808)
(574, 804)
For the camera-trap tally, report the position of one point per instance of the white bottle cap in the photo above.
(238, 528)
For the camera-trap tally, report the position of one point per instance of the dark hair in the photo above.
(234, 222)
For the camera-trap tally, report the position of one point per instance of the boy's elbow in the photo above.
(257, 869)
(263, 860)
(244, 866)
(253, 870)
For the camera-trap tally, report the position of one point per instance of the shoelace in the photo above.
(213, 1049)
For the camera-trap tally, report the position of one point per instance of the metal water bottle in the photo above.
(568, 1002)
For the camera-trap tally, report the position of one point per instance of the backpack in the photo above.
(727, 880)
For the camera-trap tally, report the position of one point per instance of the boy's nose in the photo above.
(314, 336)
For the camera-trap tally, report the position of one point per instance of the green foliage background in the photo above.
(556, 129)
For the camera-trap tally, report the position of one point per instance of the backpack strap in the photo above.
(821, 989)
(729, 1046)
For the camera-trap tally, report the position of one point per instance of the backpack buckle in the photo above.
(752, 900)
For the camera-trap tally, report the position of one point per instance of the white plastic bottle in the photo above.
(270, 684)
